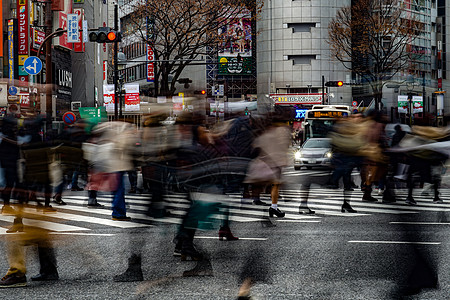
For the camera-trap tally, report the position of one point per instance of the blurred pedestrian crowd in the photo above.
(245, 154)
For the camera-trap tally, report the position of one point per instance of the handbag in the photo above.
(259, 171)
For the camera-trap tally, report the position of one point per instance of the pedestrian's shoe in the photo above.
(58, 200)
(189, 251)
(346, 207)
(49, 209)
(277, 212)
(45, 277)
(76, 189)
(437, 200)
(134, 271)
(13, 280)
(411, 201)
(259, 202)
(16, 227)
(124, 218)
(304, 210)
(369, 198)
(95, 205)
(8, 210)
(225, 232)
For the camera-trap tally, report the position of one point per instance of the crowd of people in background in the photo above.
(244, 154)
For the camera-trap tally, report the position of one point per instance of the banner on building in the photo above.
(62, 23)
(402, 104)
(132, 101)
(108, 97)
(11, 50)
(80, 45)
(235, 46)
(417, 104)
(150, 53)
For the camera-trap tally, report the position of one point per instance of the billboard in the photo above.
(235, 46)
(108, 96)
(11, 50)
(132, 101)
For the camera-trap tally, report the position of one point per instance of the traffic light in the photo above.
(246, 111)
(334, 83)
(202, 92)
(104, 35)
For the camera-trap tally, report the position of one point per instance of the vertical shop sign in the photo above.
(132, 101)
(150, 53)
(11, 50)
(22, 14)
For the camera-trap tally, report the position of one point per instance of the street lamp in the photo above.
(121, 63)
(410, 88)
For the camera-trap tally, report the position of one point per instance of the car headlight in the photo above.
(328, 155)
(298, 155)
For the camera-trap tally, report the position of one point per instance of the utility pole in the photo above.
(116, 66)
(48, 63)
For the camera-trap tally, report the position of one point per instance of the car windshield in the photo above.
(317, 144)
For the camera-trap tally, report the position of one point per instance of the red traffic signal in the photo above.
(203, 92)
(334, 83)
(104, 35)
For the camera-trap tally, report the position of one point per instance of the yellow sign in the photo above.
(327, 114)
(22, 59)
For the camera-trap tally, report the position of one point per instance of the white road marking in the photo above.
(241, 238)
(419, 223)
(396, 242)
(52, 226)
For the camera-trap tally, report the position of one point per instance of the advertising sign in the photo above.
(235, 46)
(11, 50)
(150, 64)
(132, 101)
(80, 46)
(288, 99)
(72, 28)
(38, 38)
(24, 100)
(108, 97)
(402, 104)
(150, 53)
(62, 23)
(22, 16)
(417, 104)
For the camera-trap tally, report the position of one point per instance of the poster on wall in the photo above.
(108, 97)
(402, 104)
(235, 46)
(132, 101)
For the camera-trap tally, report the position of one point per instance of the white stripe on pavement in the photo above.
(395, 242)
(419, 223)
(241, 238)
(41, 224)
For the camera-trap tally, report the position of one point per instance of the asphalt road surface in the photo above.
(328, 255)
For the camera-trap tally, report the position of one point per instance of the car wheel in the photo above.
(297, 168)
(309, 168)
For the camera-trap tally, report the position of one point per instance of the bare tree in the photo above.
(180, 31)
(375, 40)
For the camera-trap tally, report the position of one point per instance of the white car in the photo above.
(315, 152)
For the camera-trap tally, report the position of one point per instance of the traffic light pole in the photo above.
(116, 67)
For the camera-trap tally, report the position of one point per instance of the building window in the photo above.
(301, 27)
(301, 59)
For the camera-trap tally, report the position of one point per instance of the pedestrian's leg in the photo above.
(274, 210)
(118, 203)
(47, 260)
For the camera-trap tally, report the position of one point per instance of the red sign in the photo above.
(38, 38)
(80, 46)
(150, 64)
(25, 100)
(62, 23)
(105, 69)
(132, 101)
(69, 118)
(22, 15)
